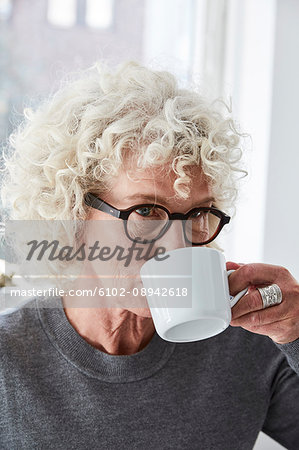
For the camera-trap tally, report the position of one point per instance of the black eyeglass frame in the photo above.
(96, 203)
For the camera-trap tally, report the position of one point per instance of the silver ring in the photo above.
(271, 295)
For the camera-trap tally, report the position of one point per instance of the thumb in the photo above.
(230, 265)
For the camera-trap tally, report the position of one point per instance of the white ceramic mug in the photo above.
(188, 293)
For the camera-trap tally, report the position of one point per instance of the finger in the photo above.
(258, 317)
(250, 302)
(275, 330)
(253, 274)
(230, 265)
(281, 331)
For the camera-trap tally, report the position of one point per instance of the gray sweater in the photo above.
(59, 392)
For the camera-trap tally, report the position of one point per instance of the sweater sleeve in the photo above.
(282, 420)
(291, 351)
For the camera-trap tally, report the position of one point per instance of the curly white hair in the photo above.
(77, 140)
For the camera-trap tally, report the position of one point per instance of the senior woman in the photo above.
(108, 148)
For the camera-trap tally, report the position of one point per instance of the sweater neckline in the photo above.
(92, 361)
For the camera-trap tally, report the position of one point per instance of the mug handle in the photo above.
(234, 299)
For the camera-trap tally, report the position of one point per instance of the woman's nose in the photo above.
(174, 236)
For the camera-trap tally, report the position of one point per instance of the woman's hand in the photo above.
(279, 322)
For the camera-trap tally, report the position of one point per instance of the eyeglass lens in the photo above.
(148, 222)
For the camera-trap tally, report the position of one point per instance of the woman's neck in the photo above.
(112, 330)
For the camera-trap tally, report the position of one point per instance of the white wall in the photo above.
(281, 236)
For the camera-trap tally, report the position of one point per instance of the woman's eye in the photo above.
(198, 214)
(145, 211)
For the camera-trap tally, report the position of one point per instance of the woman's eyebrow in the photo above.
(161, 200)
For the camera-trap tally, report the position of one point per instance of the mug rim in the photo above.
(180, 249)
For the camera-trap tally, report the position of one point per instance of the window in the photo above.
(62, 14)
(5, 10)
(99, 13)
(92, 13)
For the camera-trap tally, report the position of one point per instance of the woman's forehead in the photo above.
(158, 182)
(161, 174)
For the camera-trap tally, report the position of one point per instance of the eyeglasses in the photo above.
(146, 223)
